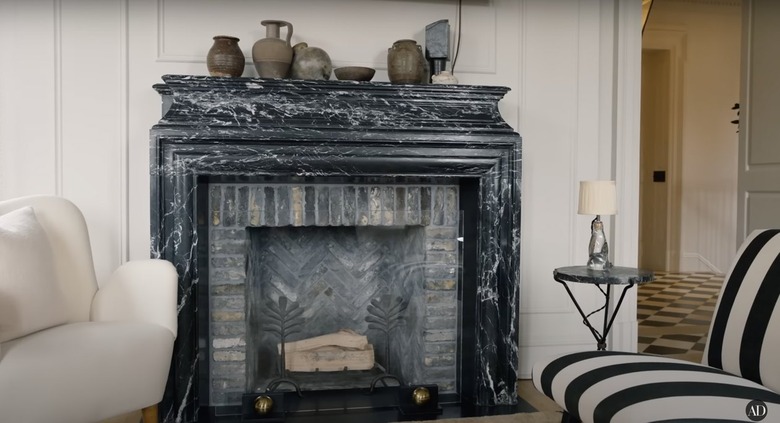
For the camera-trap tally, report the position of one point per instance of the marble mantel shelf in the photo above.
(312, 106)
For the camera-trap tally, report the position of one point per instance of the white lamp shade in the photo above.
(597, 197)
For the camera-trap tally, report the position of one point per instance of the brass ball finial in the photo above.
(421, 395)
(263, 404)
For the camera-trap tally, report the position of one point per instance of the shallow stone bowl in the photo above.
(354, 73)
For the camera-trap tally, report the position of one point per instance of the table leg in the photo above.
(602, 346)
(617, 307)
(585, 321)
(601, 338)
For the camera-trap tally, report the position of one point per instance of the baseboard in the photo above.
(695, 262)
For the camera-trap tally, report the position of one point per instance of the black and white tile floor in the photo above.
(674, 313)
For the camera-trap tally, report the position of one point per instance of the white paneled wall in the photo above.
(30, 87)
(77, 106)
(61, 112)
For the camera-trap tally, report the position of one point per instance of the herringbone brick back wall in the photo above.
(375, 240)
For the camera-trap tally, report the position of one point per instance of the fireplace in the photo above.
(389, 212)
(338, 251)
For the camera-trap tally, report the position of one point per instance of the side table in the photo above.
(616, 275)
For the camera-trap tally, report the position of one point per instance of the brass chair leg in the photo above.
(150, 414)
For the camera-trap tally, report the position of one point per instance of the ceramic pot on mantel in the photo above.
(311, 63)
(272, 55)
(444, 77)
(225, 58)
(406, 62)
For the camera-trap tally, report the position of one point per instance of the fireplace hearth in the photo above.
(348, 201)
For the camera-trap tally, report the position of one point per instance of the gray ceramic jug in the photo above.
(272, 55)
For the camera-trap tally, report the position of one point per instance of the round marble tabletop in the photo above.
(614, 276)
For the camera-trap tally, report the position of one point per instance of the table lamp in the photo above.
(599, 198)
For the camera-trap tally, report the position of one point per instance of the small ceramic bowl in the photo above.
(354, 73)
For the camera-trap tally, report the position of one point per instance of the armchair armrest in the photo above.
(140, 291)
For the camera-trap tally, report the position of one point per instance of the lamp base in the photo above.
(598, 249)
(596, 264)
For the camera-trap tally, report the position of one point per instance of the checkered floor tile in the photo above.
(674, 313)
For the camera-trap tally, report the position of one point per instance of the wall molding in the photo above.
(124, 131)
(58, 138)
(698, 258)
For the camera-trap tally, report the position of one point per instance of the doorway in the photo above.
(661, 132)
(688, 145)
(654, 160)
(688, 153)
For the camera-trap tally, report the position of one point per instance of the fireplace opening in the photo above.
(350, 303)
(361, 281)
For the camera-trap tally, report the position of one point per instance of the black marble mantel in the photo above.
(292, 130)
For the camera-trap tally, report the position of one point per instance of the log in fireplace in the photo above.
(384, 217)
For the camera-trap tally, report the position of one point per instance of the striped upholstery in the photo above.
(741, 361)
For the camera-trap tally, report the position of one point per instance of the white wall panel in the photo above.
(569, 59)
(60, 112)
(759, 173)
(92, 174)
(761, 209)
(30, 87)
(548, 126)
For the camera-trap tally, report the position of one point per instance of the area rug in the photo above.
(535, 417)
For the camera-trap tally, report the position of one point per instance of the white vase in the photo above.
(444, 77)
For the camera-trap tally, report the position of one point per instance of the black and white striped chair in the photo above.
(741, 361)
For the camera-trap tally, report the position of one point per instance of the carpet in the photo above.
(535, 417)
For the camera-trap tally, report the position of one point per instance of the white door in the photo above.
(759, 135)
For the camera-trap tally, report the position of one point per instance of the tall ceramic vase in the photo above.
(405, 62)
(225, 58)
(272, 55)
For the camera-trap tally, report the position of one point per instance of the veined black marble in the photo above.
(286, 130)
(613, 276)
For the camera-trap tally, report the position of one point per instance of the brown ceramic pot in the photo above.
(225, 58)
(405, 62)
(272, 55)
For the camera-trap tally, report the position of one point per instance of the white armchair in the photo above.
(71, 351)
